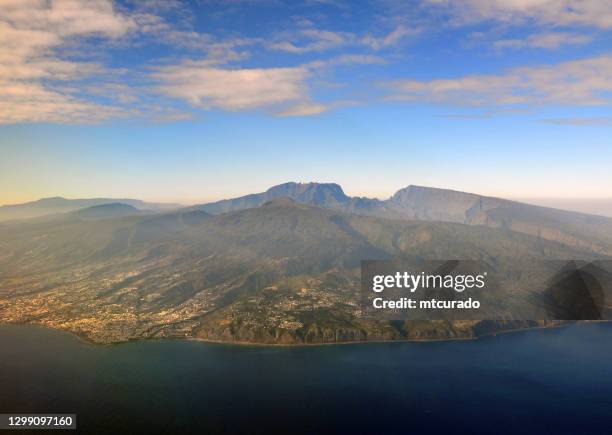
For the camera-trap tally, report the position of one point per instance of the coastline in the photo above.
(84, 339)
(404, 340)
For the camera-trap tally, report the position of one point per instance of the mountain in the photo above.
(571, 228)
(114, 209)
(47, 206)
(426, 203)
(443, 205)
(282, 273)
(327, 195)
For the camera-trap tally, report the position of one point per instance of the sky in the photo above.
(192, 101)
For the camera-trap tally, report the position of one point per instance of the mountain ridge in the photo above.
(315, 192)
(441, 205)
(113, 209)
(414, 202)
(57, 204)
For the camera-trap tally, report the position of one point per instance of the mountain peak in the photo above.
(328, 195)
(319, 194)
(309, 192)
(417, 189)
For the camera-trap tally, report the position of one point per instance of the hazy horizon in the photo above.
(599, 206)
(199, 200)
(537, 200)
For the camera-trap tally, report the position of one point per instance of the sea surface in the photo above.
(553, 381)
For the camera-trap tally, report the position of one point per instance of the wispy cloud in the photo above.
(205, 84)
(304, 109)
(207, 87)
(579, 82)
(592, 13)
(595, 120)
(345, 59)
(390, 39)
(309, 40)
(38, 83)
(545, 40)
(30, 33)
(317, 40)
(181, 36)
(50, 73)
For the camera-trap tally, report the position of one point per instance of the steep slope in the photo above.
(571, 228)
(58, 242)
(321, 194)
(424, 203)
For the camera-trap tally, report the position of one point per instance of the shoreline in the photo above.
(405, 340)
(86, 340)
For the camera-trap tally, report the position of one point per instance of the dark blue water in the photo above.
(556, 381)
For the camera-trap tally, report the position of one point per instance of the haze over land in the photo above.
(47, 206)
(598, 206)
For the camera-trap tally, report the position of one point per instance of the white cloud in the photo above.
(392, 38)
(547, 40)
(32, 102)
(317, 40)
(64, 18)
(592, 121)
(38, 83)
(30, 33)
(184, 37)
(304, 109)
(593, 13)
(344, 59)
(363, 59)
(206, 86)
(579, 82)
(311, 39)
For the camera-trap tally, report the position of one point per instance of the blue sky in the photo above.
(194, 101)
